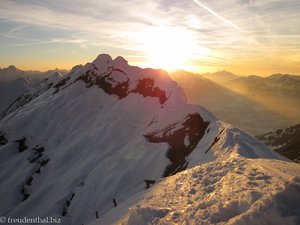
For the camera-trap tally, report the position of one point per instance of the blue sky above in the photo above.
(233, 34)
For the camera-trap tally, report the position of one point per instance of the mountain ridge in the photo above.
(102, 125)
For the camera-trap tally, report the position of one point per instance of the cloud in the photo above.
(216, 25)
(245, 2)
(217, 15)
(90, 24)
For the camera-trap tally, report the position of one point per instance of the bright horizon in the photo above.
(169, 71)
(244, 37)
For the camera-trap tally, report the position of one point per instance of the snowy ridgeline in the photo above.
(80, 146)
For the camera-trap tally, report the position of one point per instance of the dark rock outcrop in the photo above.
(285, 141)
(183, 138)
(111, 86)
(22, 144)
(3, 139)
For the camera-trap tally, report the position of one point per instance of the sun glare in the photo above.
(168, 48)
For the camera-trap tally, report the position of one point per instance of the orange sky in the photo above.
(242, 36)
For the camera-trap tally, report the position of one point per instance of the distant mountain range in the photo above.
(220, 76)
(277, 84)
(285, 141)
(14, 82)
(13, 73)
(279, 93)
(255, 104)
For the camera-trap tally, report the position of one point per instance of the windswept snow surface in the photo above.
(232, 190)
(97, 133)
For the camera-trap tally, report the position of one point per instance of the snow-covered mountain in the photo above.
(14, 82)
(285, 141)
(105, 131)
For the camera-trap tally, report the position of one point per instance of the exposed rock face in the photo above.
(3, 140)
(146, 87)
(182, 137)
(119, 84)
(285, 141)
(22, 144)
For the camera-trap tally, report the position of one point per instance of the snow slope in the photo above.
(97, 133)
(233, 190)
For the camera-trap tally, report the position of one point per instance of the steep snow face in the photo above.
(97, 133)
(231, 190)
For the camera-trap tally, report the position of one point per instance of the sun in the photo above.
(168, 48)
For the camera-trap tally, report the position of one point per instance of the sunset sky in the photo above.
(242, 36)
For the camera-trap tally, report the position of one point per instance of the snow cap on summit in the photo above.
(103, 60)
(120, 61)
